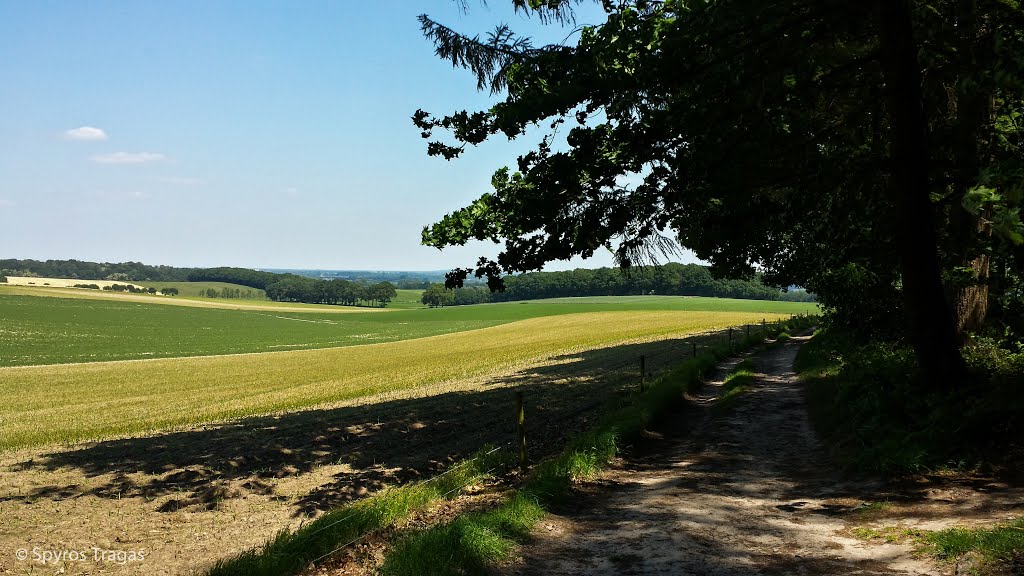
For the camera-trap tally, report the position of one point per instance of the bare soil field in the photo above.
(751, 492)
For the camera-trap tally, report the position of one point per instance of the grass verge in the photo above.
(736, 384)
(993, 550)
(292, 550)
(472, 542)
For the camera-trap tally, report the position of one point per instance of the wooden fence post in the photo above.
(693, 347)
(764, 328)
(521, 428)
(730, 339)
(748, 331)
(643, 371)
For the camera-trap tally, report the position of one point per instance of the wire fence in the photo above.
(670, 352)
(445, 495)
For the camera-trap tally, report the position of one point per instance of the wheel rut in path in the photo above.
(743, 491)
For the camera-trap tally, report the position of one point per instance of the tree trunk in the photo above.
(973, 111)
(929, 317)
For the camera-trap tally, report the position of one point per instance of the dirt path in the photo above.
(746, 492)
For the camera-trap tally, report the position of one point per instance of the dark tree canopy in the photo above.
(870, 151)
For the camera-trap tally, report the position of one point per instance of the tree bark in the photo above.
(973, 112)
(929, 317)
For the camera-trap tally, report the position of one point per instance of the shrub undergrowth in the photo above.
(869, 403)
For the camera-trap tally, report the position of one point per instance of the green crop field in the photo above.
(71, 402)
(407, 299)
(38, 330)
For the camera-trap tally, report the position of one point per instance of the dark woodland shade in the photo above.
(799, 138)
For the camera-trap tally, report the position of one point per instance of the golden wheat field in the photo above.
(68, 403)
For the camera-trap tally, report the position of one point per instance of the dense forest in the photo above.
(669, 279)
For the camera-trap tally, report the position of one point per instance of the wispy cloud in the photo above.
(85, 133)
(7, 203)
(128, 158)
(291, 191)
(181, 180)
(120, 194)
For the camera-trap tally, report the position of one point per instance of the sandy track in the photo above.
(747, 492)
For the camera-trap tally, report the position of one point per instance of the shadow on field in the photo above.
(385, 443)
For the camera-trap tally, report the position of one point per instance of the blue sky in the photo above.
(262, 134)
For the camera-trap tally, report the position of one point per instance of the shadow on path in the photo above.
(743, 491)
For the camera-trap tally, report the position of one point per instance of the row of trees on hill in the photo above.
(231, 293)
(294, 288)
(668, 279)
(243, 276)
(340, 292)
(121, 288)
(78, 269)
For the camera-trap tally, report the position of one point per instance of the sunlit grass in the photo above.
(998, 548)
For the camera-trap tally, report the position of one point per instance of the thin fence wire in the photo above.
(710, 334)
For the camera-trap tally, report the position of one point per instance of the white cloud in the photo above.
(85, 133)
(7, 203)
(128, 158)
(291, 191)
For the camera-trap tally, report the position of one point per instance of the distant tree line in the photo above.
(294, 288)
(78, 269)
(138, 272)
(243, 276)
(669, 279)
(122, 288)
(404, 280)
(234, 293)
